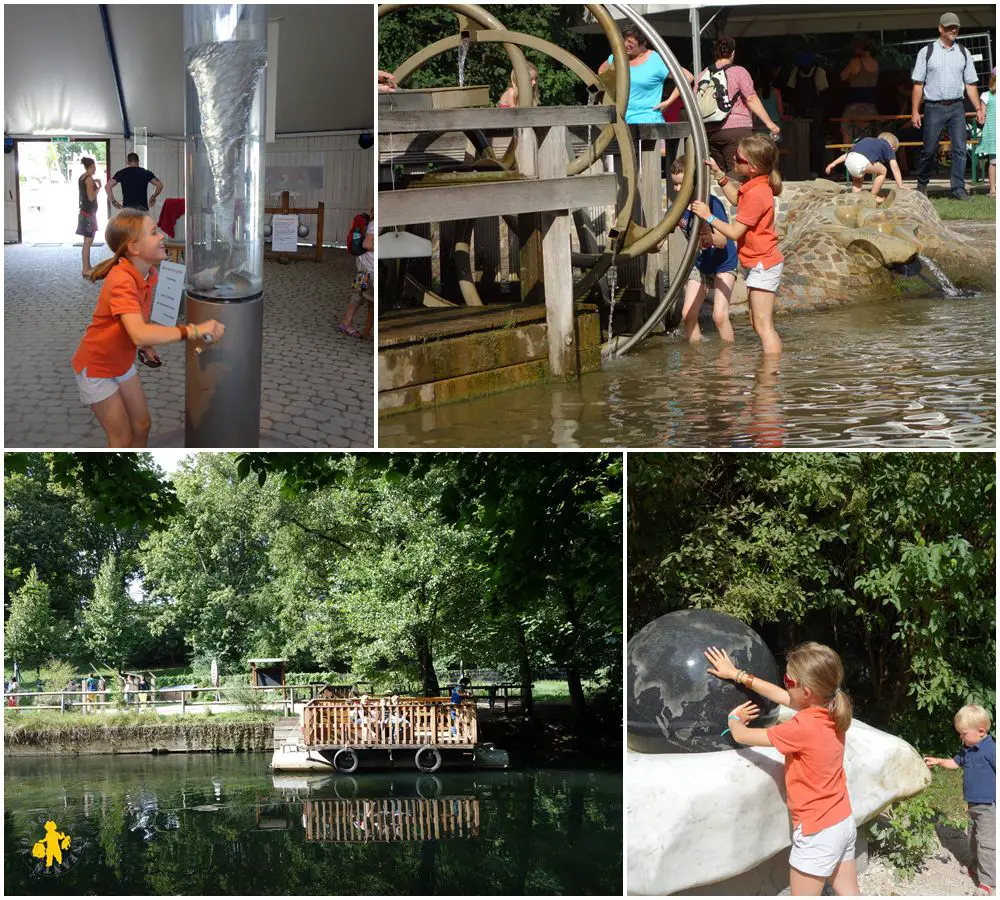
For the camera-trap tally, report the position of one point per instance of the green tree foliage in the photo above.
(403, 33)
(109, 620)
(205, 572)
(64, 513)
(889, 558)
(31, 632)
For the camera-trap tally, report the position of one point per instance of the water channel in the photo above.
(225, 824)
(919, 372)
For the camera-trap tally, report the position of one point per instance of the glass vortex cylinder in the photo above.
(225, 54)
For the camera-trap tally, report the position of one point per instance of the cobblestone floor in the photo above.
(317, 384)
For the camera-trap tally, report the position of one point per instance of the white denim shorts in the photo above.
(856, 164)
(94, 390)
(819, 854)
(765, 279)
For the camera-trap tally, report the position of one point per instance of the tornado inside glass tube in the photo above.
(225, 54)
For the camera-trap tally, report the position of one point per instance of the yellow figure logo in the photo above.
(51, 846)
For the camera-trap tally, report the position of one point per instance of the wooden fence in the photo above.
(391, 819)
(410, 723)
(106, 701)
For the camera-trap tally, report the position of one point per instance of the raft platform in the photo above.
(344, 735)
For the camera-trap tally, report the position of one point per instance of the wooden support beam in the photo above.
(529, 226)
(441, 120)
(651, 205)
(417, 205)
(556, 263)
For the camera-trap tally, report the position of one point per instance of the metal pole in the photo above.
(700, 139)
(695, 42)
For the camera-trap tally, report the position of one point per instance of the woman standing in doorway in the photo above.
(86, 220)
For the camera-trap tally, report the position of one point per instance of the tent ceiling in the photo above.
(58, 77)
(745, 20)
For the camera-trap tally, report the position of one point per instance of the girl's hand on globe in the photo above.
(722, 666)
(746, 712)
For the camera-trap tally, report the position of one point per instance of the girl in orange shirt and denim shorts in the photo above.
(104, 362)
(812, 743)
(753, 229)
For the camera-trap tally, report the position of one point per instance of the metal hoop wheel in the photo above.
(346, 760)
(428, 759)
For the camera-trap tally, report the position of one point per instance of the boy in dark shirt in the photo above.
(871, 156)
(978, 761)
(135, 182)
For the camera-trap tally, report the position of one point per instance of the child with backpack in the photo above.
(871, 156)
(361, 243)
(756, 161)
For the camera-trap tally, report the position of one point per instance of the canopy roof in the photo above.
(743, 19)
(58, 77)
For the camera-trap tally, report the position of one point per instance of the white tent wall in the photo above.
(9, 199)
(348, 173)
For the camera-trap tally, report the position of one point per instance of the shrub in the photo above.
(904, 834)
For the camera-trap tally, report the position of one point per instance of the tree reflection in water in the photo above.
(224, 825)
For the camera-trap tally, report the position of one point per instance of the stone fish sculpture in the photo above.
(840, 247)
(673, 704)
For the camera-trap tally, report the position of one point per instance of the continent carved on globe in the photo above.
(673, 704)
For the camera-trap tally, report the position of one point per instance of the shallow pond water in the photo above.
(225, 824)
(914, 373)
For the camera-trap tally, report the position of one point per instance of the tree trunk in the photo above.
(425, 659)
(576, 697)
(524, 668)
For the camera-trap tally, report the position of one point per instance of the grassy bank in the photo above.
(981, 207)
(225, 731)
(945, 794)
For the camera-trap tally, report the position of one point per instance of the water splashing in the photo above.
(946, 284)
(463, 52)
(612, 277)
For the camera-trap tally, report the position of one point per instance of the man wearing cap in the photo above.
(944, 71)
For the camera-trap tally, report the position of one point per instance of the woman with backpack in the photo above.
(730, 93)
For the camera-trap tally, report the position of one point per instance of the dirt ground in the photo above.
(942, 874)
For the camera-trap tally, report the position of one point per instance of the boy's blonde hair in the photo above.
(972, 716)
(891, 139)
(819, 668)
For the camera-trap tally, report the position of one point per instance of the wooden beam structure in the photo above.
(419, 205)
(441, 120)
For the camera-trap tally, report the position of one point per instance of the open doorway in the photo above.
(47, 174)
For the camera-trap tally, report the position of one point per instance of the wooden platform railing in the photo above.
(388, 819)
(412, 722)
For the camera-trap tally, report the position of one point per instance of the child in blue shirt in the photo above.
(978, 761)
(715, 267)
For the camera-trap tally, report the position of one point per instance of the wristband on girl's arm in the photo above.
(724, 733)
(710, 219)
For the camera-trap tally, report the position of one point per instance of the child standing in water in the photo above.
(714, 267)
(812, 742)
(756, 161)
(104, 362)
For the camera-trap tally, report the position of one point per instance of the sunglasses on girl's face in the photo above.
(788, 682)
(741, 160)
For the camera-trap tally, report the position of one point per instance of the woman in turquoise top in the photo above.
(647, 72)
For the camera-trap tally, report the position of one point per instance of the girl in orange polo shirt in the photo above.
(812, 742)
(753, 228)
(104, 362)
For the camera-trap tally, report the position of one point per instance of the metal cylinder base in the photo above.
(222, 396)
